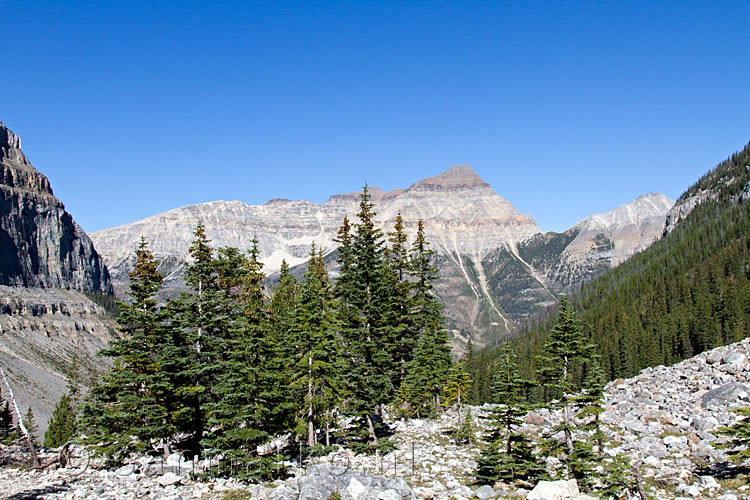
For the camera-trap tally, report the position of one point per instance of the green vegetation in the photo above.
(225, 367)
(63, 425)
(686, 293)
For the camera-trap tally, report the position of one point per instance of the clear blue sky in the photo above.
(565, 108)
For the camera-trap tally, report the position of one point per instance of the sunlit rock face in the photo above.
(496, 266)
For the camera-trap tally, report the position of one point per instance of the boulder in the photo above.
(724, 395)
(484, 492)
(554, 490)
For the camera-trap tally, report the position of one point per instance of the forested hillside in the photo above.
(686, 293)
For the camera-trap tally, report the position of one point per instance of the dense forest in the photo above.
(686, 293)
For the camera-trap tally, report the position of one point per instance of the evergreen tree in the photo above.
(31, 427)
(62, 426)
(246, 407)
(397, 271)
(135, 402)
(8, 431)
(428, 371)
(457, 386)
(508, 454)
(360, 288)
(565, 350)
(317, 374)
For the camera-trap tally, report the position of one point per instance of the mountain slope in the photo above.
(686, 293)
(496, 266)
(49, 330)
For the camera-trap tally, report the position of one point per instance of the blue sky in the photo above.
(565, 108)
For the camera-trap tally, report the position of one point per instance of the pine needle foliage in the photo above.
(63, 424)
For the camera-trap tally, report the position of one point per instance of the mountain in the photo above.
(686, 293)
(51, 331)
(40, 243)
(497, 267)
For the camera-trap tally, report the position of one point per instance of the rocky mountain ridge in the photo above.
(40, 243)
(496, 265)
(50, 331)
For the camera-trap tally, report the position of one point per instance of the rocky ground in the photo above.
(664, 420)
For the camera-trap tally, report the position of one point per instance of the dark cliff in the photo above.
(40, 243)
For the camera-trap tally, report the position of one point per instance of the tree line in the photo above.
(686, 293)
(225, 367)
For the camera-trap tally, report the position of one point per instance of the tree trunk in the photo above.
(310, 415)
(328, 428)
(568, 433)
(371, 429)
(25, 432)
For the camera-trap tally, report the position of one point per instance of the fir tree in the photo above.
(457, 386)
(135, 399)
(428, 371)
(359, 289)
(317, 374)
(8, 431)
(31, 427)
(63, 424)
(397, 269)
(564, 351)
(508, 454)
(245, 408)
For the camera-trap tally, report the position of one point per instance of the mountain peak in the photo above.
(456, 177)
(10, 146)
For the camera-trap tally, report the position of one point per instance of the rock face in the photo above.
(48, 329)
(40, 243)
(48, 335)
(496, 266)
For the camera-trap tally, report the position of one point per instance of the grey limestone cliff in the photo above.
(40, 243)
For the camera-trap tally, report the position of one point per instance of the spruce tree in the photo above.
(428, 370)
(63, 424)
(508, 454)
(360, 288)
(135, 403)
(317, 369)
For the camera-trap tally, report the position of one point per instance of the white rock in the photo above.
(484, 492)
(169, 479)
(356, 489)
(554, 490)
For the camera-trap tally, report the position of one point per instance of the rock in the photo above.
(356, 489)
(690, 490)
(714, 357)
(484, 492)
(554, 490)
(169, 479)
(724, 395)
(388, 495)
(533, 418)
(733, 358)
(708, 482)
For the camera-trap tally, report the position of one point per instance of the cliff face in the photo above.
(496, 267)
(50, 331)
(40, 243)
